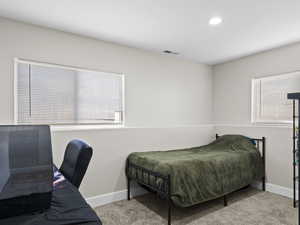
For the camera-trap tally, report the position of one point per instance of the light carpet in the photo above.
(245, 207)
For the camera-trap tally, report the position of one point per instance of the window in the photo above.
(51, 94)
(269, 97)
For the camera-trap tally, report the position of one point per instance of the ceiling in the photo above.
(177, 25)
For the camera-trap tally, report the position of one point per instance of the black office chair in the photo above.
(76, 160)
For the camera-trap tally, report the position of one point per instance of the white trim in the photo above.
(272, 122)
(56, 128)
(256, 106)
(106, 73)
(104, 199)
(38, 63)
(123, 116)
(15, 97)
(284, 191)
(254, 125)
(270, 76)
(276, 189)
(252, 101)
(108, 198)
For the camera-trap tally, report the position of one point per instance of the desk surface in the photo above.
(68, 207)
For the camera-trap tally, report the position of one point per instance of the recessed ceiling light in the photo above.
(215, 21)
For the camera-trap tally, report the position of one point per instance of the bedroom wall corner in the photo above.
(232, 106)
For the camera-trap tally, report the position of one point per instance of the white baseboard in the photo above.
(276, 189)
(104, 199)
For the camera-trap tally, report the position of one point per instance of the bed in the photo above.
(191, 176)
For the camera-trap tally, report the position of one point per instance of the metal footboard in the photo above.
(154, 181)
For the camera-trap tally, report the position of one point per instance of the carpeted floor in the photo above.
(246, 207)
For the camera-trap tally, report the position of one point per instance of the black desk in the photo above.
(68, 207)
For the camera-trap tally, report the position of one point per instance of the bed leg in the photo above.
(264, 163)
(169, 200)
(128, 188)
(225, 200)
(169, 212)
(264, 184)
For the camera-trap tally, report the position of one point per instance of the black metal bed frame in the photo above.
(148, 178)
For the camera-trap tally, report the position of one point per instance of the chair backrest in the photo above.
(76, 160)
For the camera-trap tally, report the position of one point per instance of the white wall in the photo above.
(160, 90)
(106, 173)
(168, 99)
(232, 105)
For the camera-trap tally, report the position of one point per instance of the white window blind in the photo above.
(269, 98)
(50, 94)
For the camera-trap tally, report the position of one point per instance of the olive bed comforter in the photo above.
(208, 172)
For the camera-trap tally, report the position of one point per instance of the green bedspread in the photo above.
(208, 172)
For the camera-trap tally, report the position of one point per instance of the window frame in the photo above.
(16, 61)
(255, 120)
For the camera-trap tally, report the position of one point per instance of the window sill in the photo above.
(55, 128)
(255, 125)
(86, 127)
(272, 123)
